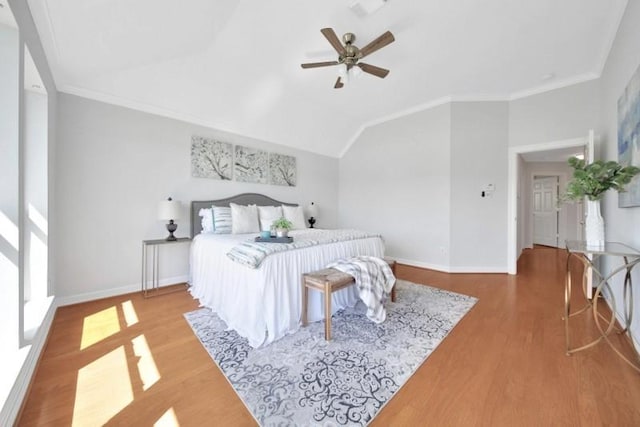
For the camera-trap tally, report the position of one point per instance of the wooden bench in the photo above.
(329, 281)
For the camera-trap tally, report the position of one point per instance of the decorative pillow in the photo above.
(295, 214)
(221, 219)
(244, 219)
(207, 220)
(267, 215)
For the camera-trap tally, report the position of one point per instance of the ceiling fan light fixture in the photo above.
(349, 56)
(343, 73)
(355, 72)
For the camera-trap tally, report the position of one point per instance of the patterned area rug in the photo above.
(303, 380)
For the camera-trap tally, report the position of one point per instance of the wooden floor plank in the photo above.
(503, 364)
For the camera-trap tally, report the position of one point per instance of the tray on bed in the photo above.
(274, 239)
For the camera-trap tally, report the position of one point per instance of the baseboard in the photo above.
(420, 264)
(106, 293)
(484, 270)
(13, 404)
(449, 269)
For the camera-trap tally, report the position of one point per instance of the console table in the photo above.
(588, 256)
(155, 263)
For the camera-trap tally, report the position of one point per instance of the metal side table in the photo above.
(155, 264)
(588, 256)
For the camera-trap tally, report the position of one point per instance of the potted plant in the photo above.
(282, 227)
(592, 181)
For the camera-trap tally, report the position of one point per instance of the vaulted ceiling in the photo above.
(235, 65)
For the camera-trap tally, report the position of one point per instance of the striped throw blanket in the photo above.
(374, 280)
(251, 253)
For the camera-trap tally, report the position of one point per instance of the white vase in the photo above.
(594, 225)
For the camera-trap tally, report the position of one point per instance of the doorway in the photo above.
(544, 210)
(516, 165)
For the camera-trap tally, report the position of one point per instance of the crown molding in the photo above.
(559, 84)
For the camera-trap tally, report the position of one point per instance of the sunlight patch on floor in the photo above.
(99, 326)
(146, 365)
(130, 316)
(168, 419)
(103, 389)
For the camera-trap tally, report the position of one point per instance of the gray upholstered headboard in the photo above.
(240, 199)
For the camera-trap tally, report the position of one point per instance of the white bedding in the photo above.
(264, 304)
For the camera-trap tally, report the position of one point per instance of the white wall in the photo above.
(564, 113)
(417, 180)
(621, 224)
(395, 180)
(478, 157)
(113, 167)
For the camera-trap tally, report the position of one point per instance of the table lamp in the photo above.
(169, 210)
(312, 210)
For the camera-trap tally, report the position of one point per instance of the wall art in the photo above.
(211, 158)
(251, 165)
(282, 170)
(629, 138)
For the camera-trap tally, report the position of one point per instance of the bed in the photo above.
(265, 303)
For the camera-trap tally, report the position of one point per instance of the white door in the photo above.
(545, 214)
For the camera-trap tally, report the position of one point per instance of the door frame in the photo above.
(512, 187)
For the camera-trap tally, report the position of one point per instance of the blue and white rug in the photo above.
(303, 380)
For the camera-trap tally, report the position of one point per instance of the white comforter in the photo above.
(264, 304)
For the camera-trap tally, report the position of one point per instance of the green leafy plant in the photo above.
(594, 179)
(282, 223)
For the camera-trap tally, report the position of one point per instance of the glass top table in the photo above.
(609, 248)
(587, 255)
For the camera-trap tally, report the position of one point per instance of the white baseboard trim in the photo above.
(449, 269)
(477, 269)
(106, 293)
(420, 264)
(20, 387)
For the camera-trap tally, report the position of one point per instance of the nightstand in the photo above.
(155, 263)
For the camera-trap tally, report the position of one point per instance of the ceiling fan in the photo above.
(349, 55)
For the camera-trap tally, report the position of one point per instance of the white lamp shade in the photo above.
(355, 71)
(343, 73)
(312, 210)
(169, 209)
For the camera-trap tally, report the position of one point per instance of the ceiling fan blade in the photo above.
(338, 84)
(378, 43)
(372, 69)
(334, 40)
(319, 64)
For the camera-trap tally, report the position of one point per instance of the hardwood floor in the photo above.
(133, 361)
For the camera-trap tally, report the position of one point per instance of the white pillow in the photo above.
(267, 215)
(221, 219)
(244, 219)
(295, 214)
(207, 220)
